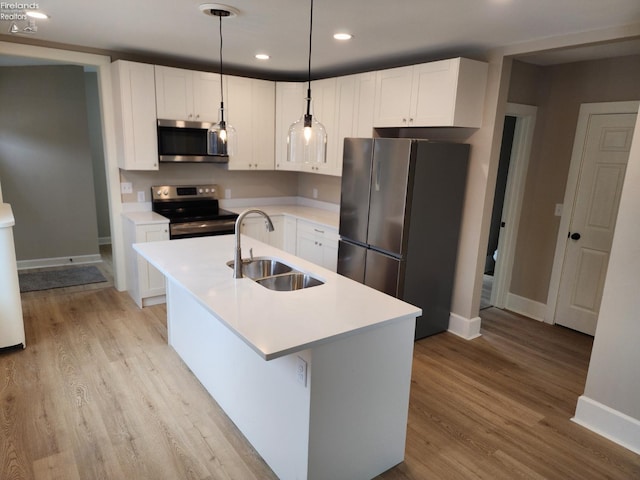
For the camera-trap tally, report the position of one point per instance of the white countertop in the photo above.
(272, 323)
(145, 218)
(6, 216)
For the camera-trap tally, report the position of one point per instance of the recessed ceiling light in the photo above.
(342, 36)
(262, 56)
(38, 15)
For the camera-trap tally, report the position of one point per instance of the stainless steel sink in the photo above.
(275, 275)
(261, 267)
(289, 281)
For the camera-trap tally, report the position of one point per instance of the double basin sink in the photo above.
(273, 274)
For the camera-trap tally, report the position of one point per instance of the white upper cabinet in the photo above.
(447, 93)
(289, 107)
(187, 94)
(323, 109)
(344, 105)
(135, 115)
(354, 112)
(250, 109)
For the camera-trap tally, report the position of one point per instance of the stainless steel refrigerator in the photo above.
(400, 212)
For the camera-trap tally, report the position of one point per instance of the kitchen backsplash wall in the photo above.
(239, 184)
(325, 187)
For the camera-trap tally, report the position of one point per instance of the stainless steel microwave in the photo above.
(183, 141)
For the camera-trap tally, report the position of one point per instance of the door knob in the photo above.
(574, 236)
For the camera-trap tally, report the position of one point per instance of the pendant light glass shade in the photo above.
(221, 137)
(307, 141)
(307, 137)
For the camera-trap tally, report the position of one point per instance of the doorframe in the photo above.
(514, 194)
(102, 63)
(586, 110)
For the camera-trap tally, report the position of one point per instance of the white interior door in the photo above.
(604, 155)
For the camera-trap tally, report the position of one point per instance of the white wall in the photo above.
(611, 401)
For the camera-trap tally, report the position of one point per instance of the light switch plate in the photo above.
(558, 212)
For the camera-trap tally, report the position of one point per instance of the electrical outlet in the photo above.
(301, 371)
(141, 198)
(315, 193)
(126, 187)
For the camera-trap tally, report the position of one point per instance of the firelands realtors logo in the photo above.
(21, 16)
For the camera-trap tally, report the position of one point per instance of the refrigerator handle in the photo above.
(377, 174)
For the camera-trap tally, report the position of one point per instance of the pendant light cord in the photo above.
(309, 67)
(221, 89)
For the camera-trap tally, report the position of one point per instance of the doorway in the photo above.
(512, 171)
(598, 165)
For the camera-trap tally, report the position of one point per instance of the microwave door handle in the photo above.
(378, 168)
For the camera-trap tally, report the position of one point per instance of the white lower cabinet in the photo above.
(318, 244)
(145, 283)
(255, 227)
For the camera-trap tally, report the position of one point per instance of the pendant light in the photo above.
(221, 137)
(307, 138)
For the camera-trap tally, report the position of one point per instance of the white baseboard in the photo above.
(609, 423)
(58, 261)
(467, 328)
(525, 306)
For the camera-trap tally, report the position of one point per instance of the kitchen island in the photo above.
(316, 379)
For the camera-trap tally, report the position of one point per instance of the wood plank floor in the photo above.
(98, 394)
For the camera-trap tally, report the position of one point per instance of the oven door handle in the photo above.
(198, 228)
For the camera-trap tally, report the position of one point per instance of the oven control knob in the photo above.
(206, 190)
(159, 192)
(200, 191)
(165, 191)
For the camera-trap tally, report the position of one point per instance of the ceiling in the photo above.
(385, 33)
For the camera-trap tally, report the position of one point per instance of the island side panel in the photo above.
(359, 402)
(262, 398)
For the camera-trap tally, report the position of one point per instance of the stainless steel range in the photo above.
(192, 210)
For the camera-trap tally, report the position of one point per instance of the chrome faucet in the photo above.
(237, 259)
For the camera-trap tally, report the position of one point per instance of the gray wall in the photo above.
(94, 118)
(45, 161)
(558, 92)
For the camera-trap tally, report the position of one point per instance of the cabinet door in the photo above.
(289, 108)
(254, 227)
(174, 93)
(263, 94)
(206, 96)
(330, 250)
(434, 93)
(307, 247)
(152, 282)
(135, 115)
(363, 115)
(290, 234)
(346, 106)
(276, 238)
(393, 97)
(251, 110)
(238, 108)
(323, 104)
(317, 244)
